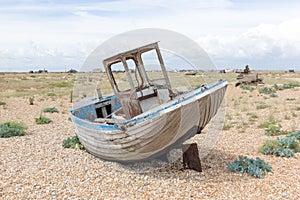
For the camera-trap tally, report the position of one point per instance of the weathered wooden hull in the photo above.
(155, 132)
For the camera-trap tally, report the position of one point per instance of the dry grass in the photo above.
(19, 84)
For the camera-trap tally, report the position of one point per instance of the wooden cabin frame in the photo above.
(149, 93)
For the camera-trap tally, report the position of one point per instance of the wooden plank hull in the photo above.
(154, 133)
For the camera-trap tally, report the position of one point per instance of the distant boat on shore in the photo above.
(190, 73)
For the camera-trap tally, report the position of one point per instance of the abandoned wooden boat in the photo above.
(190, 73)
(146, 120)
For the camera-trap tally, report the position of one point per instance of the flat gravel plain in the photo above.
(36, 166)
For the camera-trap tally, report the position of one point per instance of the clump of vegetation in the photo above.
(31, 100)
(247, 87)
(298, 108)
(290, 99)
(43, 120)
(257, 168)
(273, 95)
(24, 78)
(266, 90)
(263, 106)
(71, 96)
(288, 142)
(253, 118)
(271, 120)
(282, 146)
(274, 130)
(51, 94)
(277, 87)
(10, 129)
(272, 90)
(62, 84)
(295, 134)
(226, 127)
(229, 117)
(51, 110)
(291, 85)
(72, 142)
(2, 103)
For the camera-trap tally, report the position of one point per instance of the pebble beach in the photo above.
(36, 166)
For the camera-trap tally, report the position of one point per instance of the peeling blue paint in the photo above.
(89, 112)
(94, 126)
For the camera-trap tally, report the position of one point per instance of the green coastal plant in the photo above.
(271, 121)
(43, 120)
(247, 87)
(263, 106)
(226, 127)
(62, 84)
(71, 96)
(282, 146)
(51, 110)
(10, 129)
(291, 85)
(266, 90)
(274, 130)
(273, 95)
(257, 168)
(72, 142)
(295, 134)
(272, 90)
(51, 94)
(31, 100)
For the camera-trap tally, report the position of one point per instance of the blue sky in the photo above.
(58, 35)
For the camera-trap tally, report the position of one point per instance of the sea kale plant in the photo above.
(257, 168)
(43, 120)
(272, 90)
(282, 146)
(10, 129)
(246, 87)
(73, 143)
(274, 130)
(51, 110)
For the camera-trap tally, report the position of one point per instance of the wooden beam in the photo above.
(191, 158)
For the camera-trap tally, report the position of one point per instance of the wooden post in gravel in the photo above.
(191, 158)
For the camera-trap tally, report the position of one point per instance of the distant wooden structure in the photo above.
(246, 77)
(246, 70)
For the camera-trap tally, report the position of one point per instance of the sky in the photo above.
(59, 34)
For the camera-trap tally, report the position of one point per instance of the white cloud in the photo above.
(227, 30)
(266, 41)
